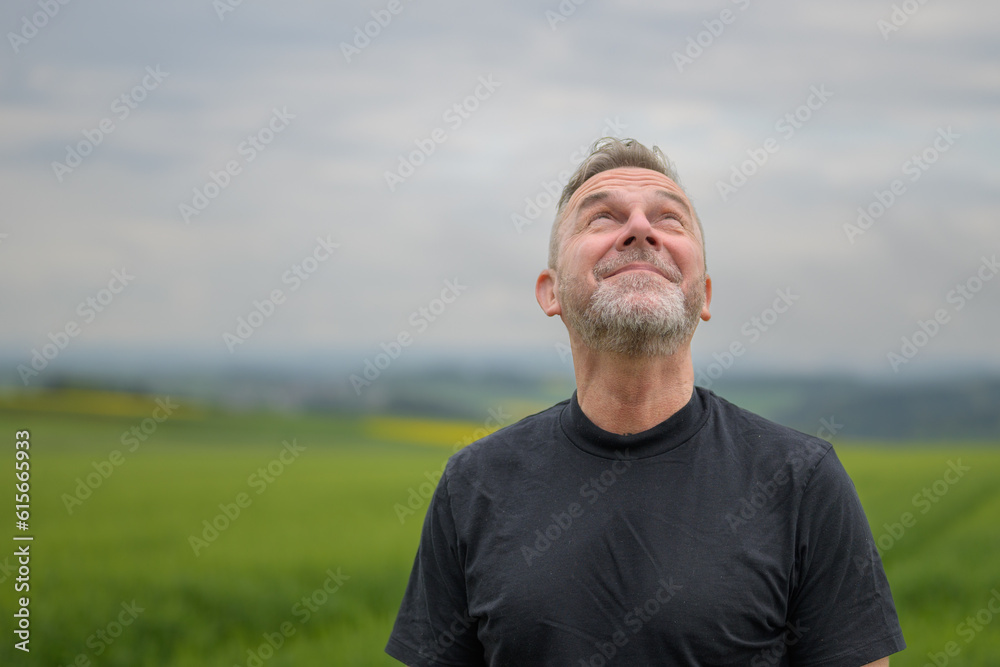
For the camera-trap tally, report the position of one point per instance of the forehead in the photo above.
(628, 181)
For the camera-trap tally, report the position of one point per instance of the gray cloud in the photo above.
(325, 174)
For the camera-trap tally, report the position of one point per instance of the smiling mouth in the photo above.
(638, 267)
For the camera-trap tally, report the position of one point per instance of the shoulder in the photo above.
(756, 437)
(514, 445)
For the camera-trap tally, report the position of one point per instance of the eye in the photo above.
(600, 217)
(671, 219)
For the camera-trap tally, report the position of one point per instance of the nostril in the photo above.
(629, 240)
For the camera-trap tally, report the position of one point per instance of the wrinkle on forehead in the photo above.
(633, 179)
(616, 195)
(628, 178)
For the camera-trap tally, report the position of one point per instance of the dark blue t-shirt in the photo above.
(714, 538)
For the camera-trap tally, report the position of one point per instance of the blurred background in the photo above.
(264, 267)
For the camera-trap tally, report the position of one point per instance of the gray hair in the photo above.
(611, 153)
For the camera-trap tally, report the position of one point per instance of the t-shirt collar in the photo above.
(668, 434)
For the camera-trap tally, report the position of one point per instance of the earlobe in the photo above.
(706, 314)
(545, 293)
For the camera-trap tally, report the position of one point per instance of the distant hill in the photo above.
(955, 408)
(931, 409)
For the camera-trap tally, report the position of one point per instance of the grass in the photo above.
(331, 510)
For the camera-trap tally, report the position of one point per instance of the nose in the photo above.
(637, 233)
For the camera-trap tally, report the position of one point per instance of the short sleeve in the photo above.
(841, 611)
(433, 626)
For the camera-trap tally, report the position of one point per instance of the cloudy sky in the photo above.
(204, 150)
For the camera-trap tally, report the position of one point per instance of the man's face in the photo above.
(631, 273)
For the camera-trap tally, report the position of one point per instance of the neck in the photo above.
(624, 394)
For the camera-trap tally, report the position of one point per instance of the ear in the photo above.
(705, 314)
(545, 293)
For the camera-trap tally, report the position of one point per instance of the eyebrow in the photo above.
(595, 198)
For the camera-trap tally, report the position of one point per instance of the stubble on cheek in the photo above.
(637, 313)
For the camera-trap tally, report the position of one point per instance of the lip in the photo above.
(638, 266)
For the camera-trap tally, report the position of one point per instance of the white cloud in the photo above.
(325, 174)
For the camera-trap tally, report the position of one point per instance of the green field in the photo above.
(327, 517)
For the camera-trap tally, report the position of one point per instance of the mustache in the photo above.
(612, 264)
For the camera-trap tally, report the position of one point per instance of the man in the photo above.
(643, 521)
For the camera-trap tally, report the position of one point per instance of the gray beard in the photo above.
(638, 314)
